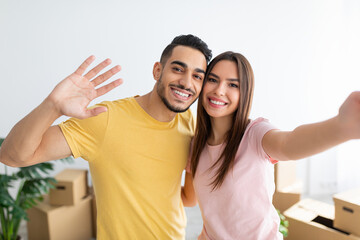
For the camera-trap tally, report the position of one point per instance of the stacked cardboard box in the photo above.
(66, 213)
(94, 210)
(287, 188)
(313, 220)
(71, 187)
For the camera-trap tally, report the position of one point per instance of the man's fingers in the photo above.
(92, 112)
(93, 72)
(97, 111)
(104, 89)
(105, 76)
(85, 65)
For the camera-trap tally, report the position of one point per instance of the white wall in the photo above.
(305, 55)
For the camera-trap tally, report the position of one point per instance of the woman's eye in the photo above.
(212, 80)
(233, 85)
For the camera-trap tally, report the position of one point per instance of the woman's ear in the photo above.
(157, 69)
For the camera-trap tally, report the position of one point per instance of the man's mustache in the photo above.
(183, 88)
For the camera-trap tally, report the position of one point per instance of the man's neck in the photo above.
(154, 106)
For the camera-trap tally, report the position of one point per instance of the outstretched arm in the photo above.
(32, 140)
(310, 139)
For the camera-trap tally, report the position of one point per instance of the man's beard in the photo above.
(160, 89)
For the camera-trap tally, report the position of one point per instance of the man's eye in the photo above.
(177, 69)
(198, 77)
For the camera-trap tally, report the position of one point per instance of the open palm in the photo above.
(73, 95)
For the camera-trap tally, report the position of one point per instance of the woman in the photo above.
(232, 156)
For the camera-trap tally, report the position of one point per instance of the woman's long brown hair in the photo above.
(240, 119)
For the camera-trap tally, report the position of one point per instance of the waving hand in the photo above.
(72, 96)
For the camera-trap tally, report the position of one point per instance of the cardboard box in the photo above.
(347, 211)
(71, 187)
(94, 211)
(60, 222)
(287, 197)
(285, 174)
(313, 220)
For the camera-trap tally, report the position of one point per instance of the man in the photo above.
(136, 147)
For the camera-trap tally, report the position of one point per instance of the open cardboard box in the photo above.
(313, 220)
(288, 196)
(70, 188)
(285, 174)
(60, 222)
(347, 211)
(287, 188)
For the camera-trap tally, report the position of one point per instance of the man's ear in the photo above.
(157, 69)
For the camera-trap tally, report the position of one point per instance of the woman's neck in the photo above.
(219, 129)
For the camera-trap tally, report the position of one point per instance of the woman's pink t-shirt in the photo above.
(242, 207)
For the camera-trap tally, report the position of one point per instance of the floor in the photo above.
(194, 223)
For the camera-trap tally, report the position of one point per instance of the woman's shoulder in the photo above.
(258, 127)
(258, 122)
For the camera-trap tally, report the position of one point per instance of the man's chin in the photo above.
(175, 109)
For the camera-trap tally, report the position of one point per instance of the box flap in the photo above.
(296, 188)
(308, 209)
(45, 206)
(70, 174)
(348, 198)
(284, 174)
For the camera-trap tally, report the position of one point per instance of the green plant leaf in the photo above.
(35, 171)
(6, 200)
(284, 224)
(35, 182)
(67, 160)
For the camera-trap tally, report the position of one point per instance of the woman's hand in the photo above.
(349, 116)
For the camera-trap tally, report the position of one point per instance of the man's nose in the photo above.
(186, 81)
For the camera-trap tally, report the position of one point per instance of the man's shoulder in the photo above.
(186, 115)
(117, 103)
(187, 120)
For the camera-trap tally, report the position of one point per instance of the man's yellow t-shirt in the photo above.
(136, 163)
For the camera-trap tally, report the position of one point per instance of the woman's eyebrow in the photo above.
(214, 75)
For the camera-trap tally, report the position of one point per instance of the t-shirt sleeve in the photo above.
(258, 128)
(85, 136)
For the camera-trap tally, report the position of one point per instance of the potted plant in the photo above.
(284, 224)
(34, 183)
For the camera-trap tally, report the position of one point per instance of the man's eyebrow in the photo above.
(199, 70)
(184, 65)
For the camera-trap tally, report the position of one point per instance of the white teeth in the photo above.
(181, 94)
(216, 102)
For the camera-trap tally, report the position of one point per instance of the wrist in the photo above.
(50, 106)
(341, 129)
